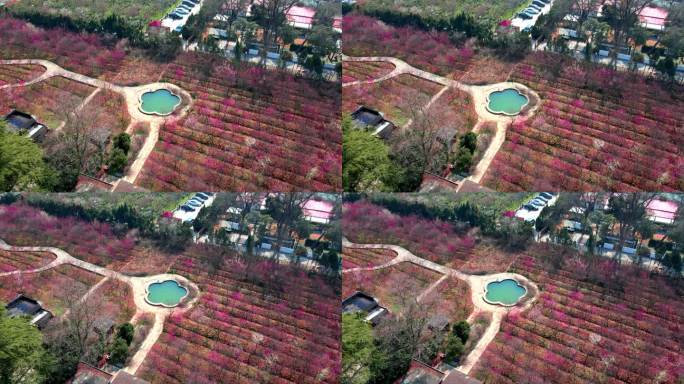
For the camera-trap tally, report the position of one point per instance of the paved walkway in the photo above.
(393, 73)
(477, 285)
(486, 160)
(138, 286)
(478, 93)
(487, 337)
(130, 94)
(144, 153)
(43, 76)
(152, 337)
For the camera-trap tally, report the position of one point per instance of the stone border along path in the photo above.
(137, 284)
(477, 285)
(131, 97)
(477, 92)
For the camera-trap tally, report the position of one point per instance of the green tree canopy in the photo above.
(118, 351)
(122, 141)
(358, 349)
(462, 330)
(366, 165)
(22, 356)
(126, 332)
(454, 348)
(21, 164)
(117, 161)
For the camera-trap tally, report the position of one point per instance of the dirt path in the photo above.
(86, 296)
(80, 107)
(138, 286)
(130, 94)
(431, 288)
(479, 94)
(477, 285)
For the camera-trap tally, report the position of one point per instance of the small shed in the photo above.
(371, 119)
(25, 306)
(361, 302)
(25, 124)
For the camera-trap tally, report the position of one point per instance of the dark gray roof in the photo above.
(359, 302)
(365, 116)
(20, 121)
(23, 305)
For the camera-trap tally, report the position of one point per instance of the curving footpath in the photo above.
(477, 285)
(477, 92)
(130, 94)
(137, 284)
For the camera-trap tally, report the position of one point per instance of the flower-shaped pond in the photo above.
(161, 102)
(167, 293)
(506, 102)
(504, 292)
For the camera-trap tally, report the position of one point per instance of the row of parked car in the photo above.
(533, 9)
(196, 202)
(538, 202)
(183, 9)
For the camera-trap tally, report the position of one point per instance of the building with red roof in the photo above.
(318, 211)
(653, 18)
(303, 18)
(300, 17)
(662, 211)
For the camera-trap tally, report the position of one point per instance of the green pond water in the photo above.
(161, 102)
(167, 292)
(506, 292)
(508, 101)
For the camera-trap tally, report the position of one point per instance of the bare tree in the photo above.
(629, 211)
(584, 9)
(84, 312)
(623, 17)
(71, 337)
(403, 335)
(79, 147)
(270, 15)
(286, 211)
(424, 144)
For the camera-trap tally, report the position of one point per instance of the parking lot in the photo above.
(176, 25)
(196, 202)
(531, 210)
(534, 10)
